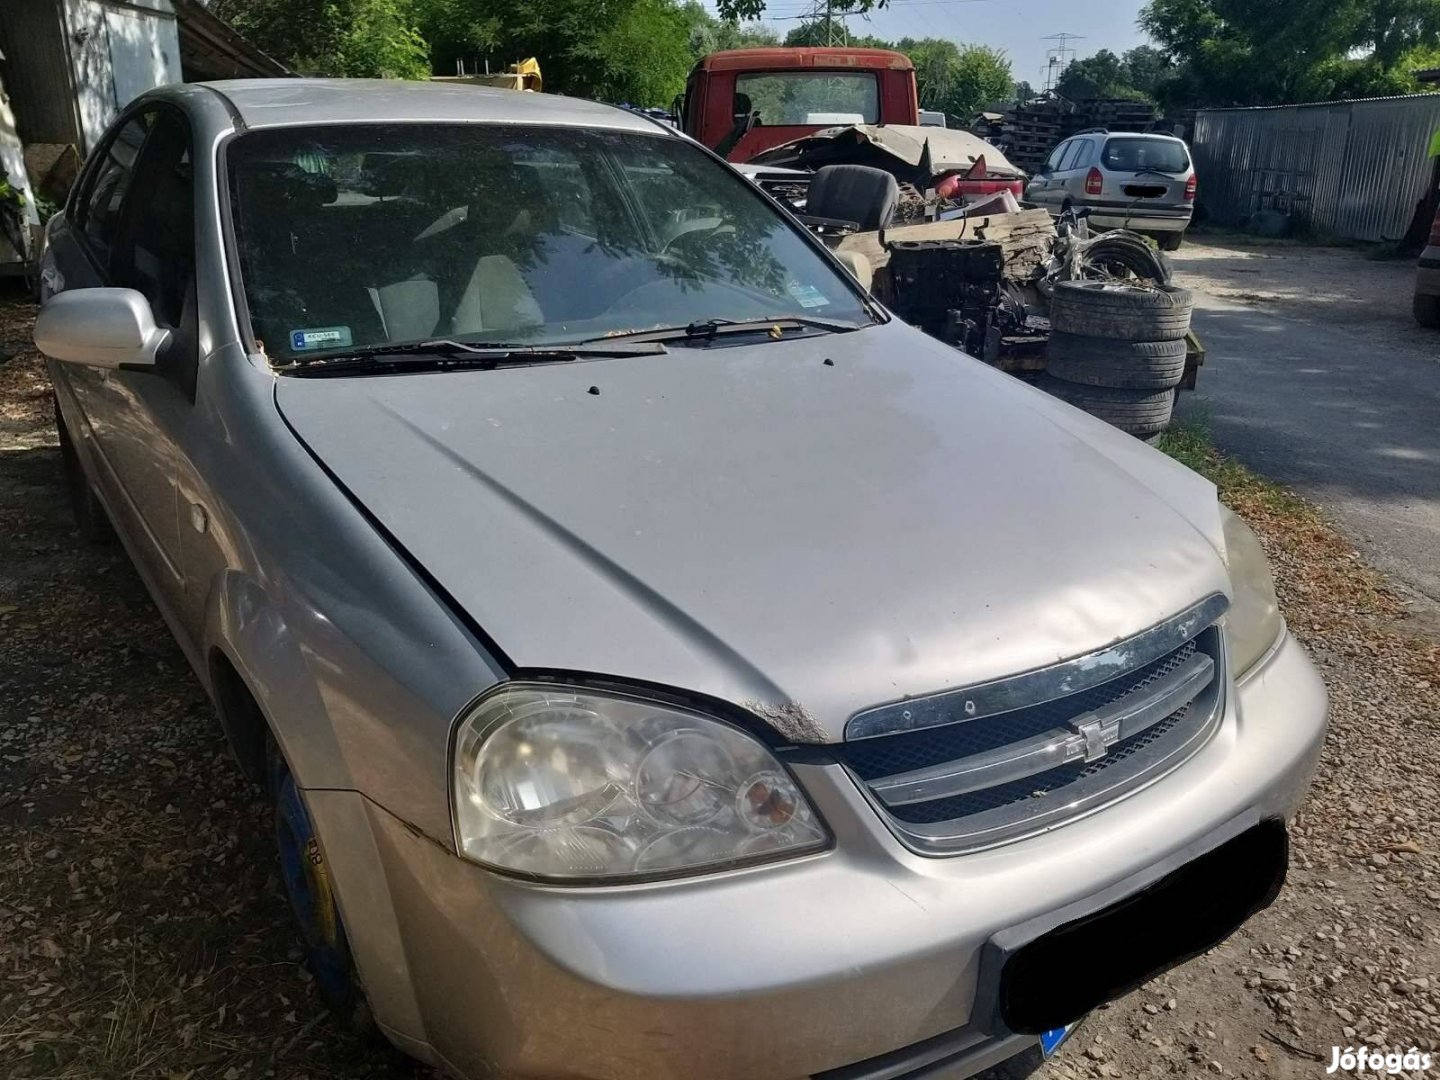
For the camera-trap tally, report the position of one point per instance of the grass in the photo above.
(1246, 492)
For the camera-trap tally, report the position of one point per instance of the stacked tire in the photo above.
(1118, 351)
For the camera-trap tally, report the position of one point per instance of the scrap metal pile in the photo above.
(1092, 319)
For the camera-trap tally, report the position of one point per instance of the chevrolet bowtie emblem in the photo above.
(1098, 738)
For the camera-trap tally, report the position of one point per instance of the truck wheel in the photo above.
(1133, 365)
(90, 520)
(1427, 311)
(1139, 412)
(1121, 312)
(308, 885)
(1171, 241)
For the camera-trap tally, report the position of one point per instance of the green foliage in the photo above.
(354, 38)
(958, 80)
(819, 33)
(11, 197)
(1135, 75)
(753, 9)
(643, 57)
(708, 34)
(1262, 52)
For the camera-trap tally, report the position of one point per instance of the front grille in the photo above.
(976, 767)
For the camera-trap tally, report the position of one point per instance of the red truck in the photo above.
(743, 101)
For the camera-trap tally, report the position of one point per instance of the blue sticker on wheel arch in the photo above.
(1051, 1040)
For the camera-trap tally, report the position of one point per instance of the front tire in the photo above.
(310, 889)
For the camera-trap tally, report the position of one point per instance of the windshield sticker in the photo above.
(807, 296)
(323, 337)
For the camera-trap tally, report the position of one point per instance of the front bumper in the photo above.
(865, 952)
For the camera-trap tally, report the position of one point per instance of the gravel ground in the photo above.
(1357, 291)
(143, 934)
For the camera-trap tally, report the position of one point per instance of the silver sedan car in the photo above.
(662, 662)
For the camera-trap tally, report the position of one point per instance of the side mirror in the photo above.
(105, 328)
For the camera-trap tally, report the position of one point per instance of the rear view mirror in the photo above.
(103, 327)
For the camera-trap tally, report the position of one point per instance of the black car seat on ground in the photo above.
(855, 193)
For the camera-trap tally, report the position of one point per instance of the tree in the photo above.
(954, 79)
(819, 33)
(1392, 28)
(357, 38)
(1098, 76)
(983, 77)
(753, 9)
(708, 34)
(1145, 67)
(1259, 52)
(615, 50)
(644, 56)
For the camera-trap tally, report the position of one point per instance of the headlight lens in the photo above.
(582, 785)
(1253, 622)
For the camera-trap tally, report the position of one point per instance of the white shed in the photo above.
(72, 65)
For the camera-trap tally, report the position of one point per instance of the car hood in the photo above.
(805, 527)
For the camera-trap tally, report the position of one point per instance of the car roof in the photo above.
(284, 102)
(1159, 136)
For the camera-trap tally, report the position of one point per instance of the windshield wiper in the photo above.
(1155, 172)
(444, 353)
(705, 329)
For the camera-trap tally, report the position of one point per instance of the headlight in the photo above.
(1253, 622)
(572, 784)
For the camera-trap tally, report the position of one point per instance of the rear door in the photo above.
(137, 231)
(1143, 171)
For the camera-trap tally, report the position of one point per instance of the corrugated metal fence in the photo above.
(1353, 168)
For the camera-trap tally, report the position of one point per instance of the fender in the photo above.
(242, 625)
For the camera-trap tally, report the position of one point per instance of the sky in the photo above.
(1017, 27)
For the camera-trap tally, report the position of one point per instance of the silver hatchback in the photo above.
(1142, 182)
(662, 662)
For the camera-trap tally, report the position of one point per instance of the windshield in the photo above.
(809, 97)
(1131, 155)
(370, 235)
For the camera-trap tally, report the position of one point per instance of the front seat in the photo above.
(495, 298)
(853, 193)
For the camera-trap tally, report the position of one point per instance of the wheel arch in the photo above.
(260, 683)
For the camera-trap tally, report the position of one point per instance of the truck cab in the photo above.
(742, 101)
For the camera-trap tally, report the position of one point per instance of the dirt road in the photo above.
(143, 934)
(1318, 377)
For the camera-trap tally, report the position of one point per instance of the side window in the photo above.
(98, 210)
(1053, 161)
(154, 252)
(1086, 157)
(1071, 156)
